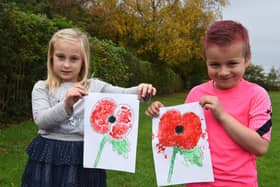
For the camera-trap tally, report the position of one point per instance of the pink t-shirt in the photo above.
(251, 106)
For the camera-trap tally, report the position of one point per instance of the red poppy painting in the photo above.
(112, 118)
(181, 130)
(180, 145)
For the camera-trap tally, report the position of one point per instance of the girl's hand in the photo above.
(213, 103)
(146, 91)
(153, 109)
(74, 93)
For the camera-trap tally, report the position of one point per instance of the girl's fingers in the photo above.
(151, 90)
(75, 93)
(147, 98)
(154, 91)
(146, 90)
(80, 88)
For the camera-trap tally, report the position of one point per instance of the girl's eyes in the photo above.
(60, 56)
(75, 58)
(63, 57)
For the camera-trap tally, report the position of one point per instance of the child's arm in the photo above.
(246, 137)
(143, 90)
(45, 115)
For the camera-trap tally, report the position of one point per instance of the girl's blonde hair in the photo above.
(69, 35)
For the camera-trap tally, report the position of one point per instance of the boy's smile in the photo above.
(226, 65)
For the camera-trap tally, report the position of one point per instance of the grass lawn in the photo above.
(14, 140)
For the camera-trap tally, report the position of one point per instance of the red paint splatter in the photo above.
(204, 135)
(160, 147)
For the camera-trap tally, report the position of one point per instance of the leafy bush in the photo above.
(108, 63)
(119, 67)
(23, 48)
(166, 80)
(163, 78)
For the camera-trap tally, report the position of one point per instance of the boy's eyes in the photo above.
(216, 65)
(232, 63)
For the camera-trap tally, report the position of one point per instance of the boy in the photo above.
(237, 112)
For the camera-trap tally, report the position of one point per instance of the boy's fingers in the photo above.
(148, 113)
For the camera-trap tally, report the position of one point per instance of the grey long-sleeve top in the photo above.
(52, 119)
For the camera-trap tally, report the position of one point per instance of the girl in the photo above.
(56, 154)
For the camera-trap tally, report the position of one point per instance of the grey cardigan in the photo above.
(52, 119)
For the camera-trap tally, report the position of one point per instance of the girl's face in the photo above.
(67, 60)
(226, 65)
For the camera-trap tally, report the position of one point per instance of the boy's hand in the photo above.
(146, 91)
(153, 109)
(212, 103)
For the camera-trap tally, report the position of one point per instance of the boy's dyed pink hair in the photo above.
(223, 33)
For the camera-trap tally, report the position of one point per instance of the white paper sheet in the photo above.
(110, 132)
(180, 146)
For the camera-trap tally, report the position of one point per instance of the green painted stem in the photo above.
(101, 146)
(171, 168)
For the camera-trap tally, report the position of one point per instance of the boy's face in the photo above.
(226, 65)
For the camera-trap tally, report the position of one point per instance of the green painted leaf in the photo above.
(121, 146)
(192, 156)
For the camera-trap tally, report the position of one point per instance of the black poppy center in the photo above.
(179, 129)
(112, 119)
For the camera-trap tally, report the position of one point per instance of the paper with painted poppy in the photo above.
(110, 132)
(180, 146)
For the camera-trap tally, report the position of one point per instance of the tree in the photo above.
(256, 74)
(273, 79)
(160, 31)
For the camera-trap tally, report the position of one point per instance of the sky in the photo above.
(262, 19)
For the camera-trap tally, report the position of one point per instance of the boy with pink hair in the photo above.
(237, 112)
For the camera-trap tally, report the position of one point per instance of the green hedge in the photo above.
(23, 49)
(163, 78)
(119, 67)
(108, 63)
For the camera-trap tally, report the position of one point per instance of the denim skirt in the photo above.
(56, 163)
